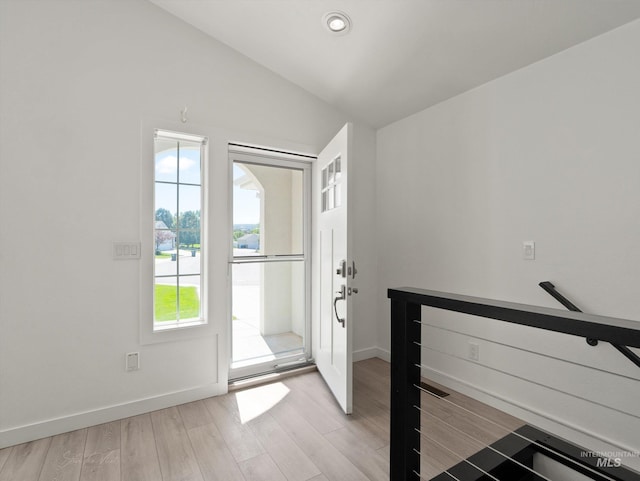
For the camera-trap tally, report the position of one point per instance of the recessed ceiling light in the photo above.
(337, 22)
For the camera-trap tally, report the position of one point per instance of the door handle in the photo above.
(341, 297)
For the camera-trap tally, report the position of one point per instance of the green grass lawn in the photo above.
(166, 303)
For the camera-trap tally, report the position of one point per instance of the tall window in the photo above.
(178, 233)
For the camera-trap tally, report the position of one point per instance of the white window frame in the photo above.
(203, 141)
(149, 332)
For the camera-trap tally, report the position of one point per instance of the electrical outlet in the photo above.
(474, 351)
(132, 361)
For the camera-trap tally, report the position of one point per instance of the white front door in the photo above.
(334, 269)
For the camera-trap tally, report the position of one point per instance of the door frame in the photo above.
(272, 158)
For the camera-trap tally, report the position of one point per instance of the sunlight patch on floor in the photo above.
(252, 403)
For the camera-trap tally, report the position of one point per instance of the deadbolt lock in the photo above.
(342, 269)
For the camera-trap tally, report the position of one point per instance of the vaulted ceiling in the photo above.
(401, 56)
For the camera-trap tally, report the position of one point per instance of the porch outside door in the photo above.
(270, 270)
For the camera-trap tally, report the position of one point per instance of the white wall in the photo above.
(549, 153)
(77, 81)
(362, 198)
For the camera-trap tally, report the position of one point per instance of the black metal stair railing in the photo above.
(406, 307)
(551, 289)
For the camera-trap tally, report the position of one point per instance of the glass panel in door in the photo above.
(269, 272)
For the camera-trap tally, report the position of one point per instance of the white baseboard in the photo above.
(51, 427)
(384, 354)
(362, 354)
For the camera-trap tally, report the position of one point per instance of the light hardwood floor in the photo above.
(291, 430)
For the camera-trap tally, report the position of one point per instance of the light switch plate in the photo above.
(528, 250)
(126, 250)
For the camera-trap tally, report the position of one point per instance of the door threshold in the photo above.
(252, 381)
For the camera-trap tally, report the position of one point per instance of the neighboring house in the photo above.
(249, 241)
(165, 239)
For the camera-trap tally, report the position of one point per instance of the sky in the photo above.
(189, 172)
(246, 203)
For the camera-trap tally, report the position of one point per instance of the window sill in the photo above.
(196, 329)
(173, 326)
